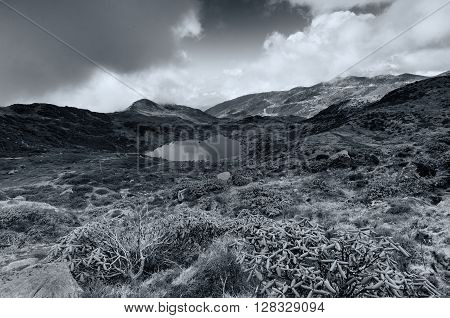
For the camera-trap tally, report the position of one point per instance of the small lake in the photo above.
(213, 149)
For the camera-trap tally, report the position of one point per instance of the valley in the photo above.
(336, 196)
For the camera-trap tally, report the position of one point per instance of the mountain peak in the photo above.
(145, 105)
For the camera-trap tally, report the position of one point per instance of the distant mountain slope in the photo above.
(38, 127)
(149, 108)
(410, 125)
(43, 127)
(308, 101)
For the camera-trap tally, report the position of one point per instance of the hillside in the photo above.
(151, 109)
(308, 101)
(42, 127)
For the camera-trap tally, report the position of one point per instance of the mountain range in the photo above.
(322, 107)
(308, 101)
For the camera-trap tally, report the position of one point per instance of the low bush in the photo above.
(97, 251)
(400, 208)
(82, 188)
(183, 236)
(215, 274)
(136, 247)
(3, 196)
(265, 201)
(11, 238)
(193, 190)
(105, 200)
(39, 221)
(286, 258)
(297, 259)
(101, 191)
(240, 180)
(404, 181)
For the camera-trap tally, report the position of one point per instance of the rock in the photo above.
(322, 157)
(19, 265)
(115, 213)
(20, 198)
(374, 159)
(340, 160)
(68, 191)
(52, 280)
(12, 171)
(425, 170)
(340, 154)
(224, 176)
(423, 238)
(182, 195)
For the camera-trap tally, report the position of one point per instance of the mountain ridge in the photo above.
(40, 127)
(150, 108)
(308, 101)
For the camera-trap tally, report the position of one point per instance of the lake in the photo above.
(214, 148)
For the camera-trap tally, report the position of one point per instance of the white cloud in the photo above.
(333, 42)
(189, 26)
(236, 72)
(338, 40)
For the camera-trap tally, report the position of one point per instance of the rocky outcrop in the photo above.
(340, 160)
(224, 176)
(52, 280)
(19, 265)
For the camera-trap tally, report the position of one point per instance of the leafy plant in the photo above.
(296, 259)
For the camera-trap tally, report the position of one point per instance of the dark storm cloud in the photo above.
(248, 22)
(123, 36)
(373, 8)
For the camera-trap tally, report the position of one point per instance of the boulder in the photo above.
(115, 213)
(52, 280)
(182, 195)
(224, 176)
(19, 265)
(340, 160)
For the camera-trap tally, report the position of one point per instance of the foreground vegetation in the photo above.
(265, 232)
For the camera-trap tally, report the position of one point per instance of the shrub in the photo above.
(193, 190)
(75, 178)
(265, 201)
(136, 247)
(240, 180)
(11, 238)
(216, 273)
(390, 183)
(3, 196)
(296, 259)
(82, 188)
(105, 200)
(181, 237)
(400, 208)
(96, 251)
(39, 221)
(101, 191)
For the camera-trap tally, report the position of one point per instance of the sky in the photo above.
(103, 55)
